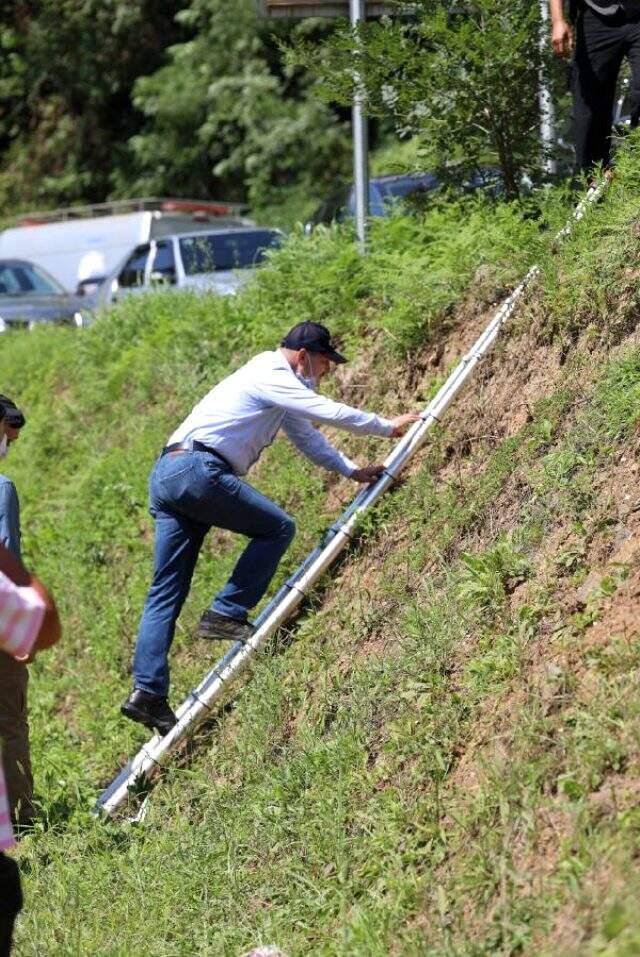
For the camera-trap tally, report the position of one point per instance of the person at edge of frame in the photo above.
(14, 675)
(603, 33)
(196, 485)
(29, 623)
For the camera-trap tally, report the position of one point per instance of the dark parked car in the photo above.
(386, 192)
(29, 296)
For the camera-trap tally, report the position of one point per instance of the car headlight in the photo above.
(83, 318)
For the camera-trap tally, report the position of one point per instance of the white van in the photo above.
(220, 260)
(81, 245)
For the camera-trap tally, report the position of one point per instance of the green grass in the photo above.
(412, 769)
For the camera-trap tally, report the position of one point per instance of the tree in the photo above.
(225, 116)
(462, 77)
(66, 74)
(107, 98)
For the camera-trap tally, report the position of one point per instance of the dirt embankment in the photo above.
(589, 571)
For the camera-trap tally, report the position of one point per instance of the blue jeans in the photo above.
(189, 493)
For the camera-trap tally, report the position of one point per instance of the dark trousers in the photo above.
(191, 492)
(601, 45)
(14, 734)
(10, 901)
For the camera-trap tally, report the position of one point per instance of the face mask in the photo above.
(4, 447)
(310, 381)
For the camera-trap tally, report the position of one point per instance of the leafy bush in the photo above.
(446, 73)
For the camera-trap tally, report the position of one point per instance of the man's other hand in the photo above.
(402, 422)
(562, 38)
(368, 474)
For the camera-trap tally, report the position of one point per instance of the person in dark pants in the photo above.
(14, 675)
(196, 485)
(605, 33)
(29, 622)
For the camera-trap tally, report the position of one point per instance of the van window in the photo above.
(164, 263)
(132, 273)
(223, 251)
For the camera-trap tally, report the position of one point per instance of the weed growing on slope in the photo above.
(593, 284)
(617, 399)
(487, 578)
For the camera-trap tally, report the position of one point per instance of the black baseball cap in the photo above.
(10, 413)
(314, 338)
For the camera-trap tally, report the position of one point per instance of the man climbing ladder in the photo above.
(195, 485)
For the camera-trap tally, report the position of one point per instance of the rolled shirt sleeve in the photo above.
(312, 443)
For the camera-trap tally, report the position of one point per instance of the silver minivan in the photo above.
(218, 260)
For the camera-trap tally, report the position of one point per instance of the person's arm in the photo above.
(11, 567)
(561, 32)
(315, 446)
(49, 631)
(9, 517)
(285, 391)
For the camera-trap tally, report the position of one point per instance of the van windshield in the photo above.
(224, 251)
(25, 279)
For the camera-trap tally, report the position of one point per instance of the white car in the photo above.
(219, 261)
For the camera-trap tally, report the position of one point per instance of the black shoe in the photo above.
(151, 710)
(217, 627)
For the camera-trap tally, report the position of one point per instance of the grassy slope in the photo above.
(425, 764)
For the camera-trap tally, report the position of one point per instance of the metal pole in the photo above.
(545, 99)
(357, 11)
(199, 703)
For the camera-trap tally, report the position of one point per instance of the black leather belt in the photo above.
(196, 447)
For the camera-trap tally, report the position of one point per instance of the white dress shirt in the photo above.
(243, 413)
